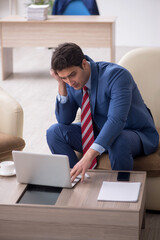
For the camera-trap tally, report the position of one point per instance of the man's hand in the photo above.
(61, 84)
(55, 76)
(84, 164)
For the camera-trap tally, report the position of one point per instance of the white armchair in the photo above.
(11, 125)
(144, 65)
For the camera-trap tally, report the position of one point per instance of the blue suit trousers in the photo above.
(64, 139)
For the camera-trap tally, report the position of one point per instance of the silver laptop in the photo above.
(43, 169)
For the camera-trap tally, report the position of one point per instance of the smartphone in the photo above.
(123, 176)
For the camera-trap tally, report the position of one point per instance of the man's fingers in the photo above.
(83, 176)
(73, 171)
(51, 72)
(80, 167)
(74, 174)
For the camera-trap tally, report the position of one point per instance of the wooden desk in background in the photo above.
(86, 31)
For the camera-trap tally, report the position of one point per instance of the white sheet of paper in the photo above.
(119, 191)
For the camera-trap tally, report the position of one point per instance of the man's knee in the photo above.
(52, 133)
(120, 154)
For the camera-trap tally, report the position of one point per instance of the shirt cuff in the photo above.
(98, 148)
(62, 99)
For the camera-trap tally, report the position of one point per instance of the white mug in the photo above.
(7, 167)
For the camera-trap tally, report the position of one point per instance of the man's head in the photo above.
(68, 61)
(67, 55)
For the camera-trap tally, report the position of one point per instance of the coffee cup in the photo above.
(7, 167)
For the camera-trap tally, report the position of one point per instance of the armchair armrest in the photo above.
(11, 115)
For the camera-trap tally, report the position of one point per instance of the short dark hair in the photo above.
(67, 55)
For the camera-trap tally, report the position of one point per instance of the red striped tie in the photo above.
(86, 125)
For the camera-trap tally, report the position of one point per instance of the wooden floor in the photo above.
(32, 86)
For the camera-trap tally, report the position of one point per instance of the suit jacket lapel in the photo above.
(94, 82)
(79, 96)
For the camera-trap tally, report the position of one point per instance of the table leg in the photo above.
(6, 62)
(112, 44)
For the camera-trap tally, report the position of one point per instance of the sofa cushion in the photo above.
(9, 143)
(150, 163)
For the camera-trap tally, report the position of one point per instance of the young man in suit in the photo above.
(122, 123)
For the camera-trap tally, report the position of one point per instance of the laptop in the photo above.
(43, 169)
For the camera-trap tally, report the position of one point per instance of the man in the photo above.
(122, 124)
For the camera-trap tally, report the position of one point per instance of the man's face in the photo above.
(74, 76)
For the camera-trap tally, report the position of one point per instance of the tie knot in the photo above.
(85, 88)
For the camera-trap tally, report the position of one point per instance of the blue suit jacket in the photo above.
(116, 104)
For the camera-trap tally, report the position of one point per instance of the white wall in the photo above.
(20, 6)
(137, 20)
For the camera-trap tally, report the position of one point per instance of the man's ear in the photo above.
(84, 63)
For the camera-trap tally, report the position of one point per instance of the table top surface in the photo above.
(62, 18)
(82, 196)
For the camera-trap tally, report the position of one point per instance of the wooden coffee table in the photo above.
(76, 215)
